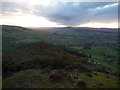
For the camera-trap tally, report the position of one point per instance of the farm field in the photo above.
(89, 54)
(99, 45)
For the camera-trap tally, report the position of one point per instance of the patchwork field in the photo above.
(90, 53)
(101, 45)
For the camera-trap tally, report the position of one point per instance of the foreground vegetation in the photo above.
(33, 78)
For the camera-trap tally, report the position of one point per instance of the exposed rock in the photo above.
(55, 76)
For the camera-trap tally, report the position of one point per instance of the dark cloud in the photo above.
(68, 13)
(14, 7)
(106, 14)
(71, 13)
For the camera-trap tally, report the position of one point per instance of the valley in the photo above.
(90, 54)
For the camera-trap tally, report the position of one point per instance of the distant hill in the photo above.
(15, 35)
(13, 28)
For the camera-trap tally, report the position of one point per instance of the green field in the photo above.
(100, 44)
(90, 48)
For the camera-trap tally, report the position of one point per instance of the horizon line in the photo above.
(61, 27)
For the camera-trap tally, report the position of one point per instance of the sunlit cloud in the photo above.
(40, 2)
(49, 13)
(29, 21)
(100, 25)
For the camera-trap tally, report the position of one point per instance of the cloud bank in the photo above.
(68, 13)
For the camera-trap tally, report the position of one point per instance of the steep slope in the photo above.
(38, 55)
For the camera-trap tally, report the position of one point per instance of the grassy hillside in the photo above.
(86, 57)
(40, 55)
(100, 45)
(37, 79)
(31, 66)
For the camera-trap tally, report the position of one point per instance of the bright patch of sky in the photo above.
(52, 13)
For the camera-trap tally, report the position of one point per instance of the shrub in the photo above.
(81, 84)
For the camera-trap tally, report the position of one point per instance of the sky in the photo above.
(49, 13)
